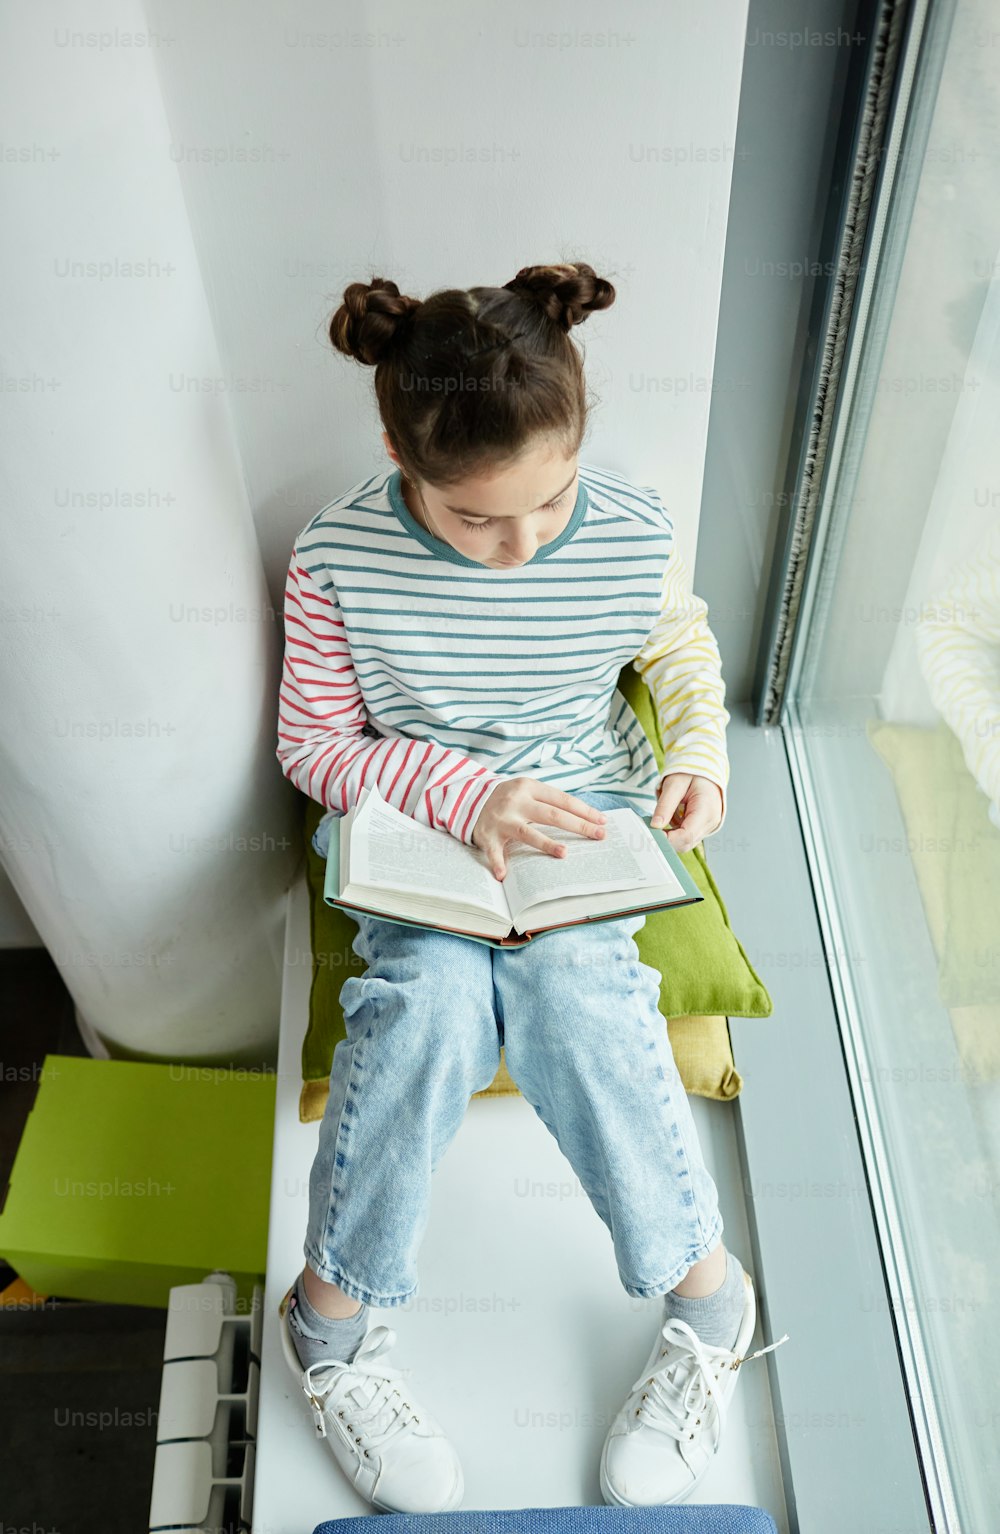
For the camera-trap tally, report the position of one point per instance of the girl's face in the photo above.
(504, 519)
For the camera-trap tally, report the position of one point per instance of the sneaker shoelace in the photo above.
(678, 1396)
(371, 1405)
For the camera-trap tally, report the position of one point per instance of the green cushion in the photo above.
(704, 968)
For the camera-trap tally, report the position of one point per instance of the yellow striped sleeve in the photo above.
(681, 665)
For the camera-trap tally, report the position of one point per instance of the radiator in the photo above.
(207, 1422)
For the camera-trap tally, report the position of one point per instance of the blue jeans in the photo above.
(577, 1013)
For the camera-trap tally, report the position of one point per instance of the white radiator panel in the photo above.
(207, 1421)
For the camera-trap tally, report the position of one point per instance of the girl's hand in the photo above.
(510, 806)
(694, 803)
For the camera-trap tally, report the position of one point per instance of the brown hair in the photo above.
(466, 380)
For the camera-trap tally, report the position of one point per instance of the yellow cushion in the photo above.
(702, 1052)
(701, 1047)
(955, 850)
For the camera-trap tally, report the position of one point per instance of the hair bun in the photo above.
(567, 291)
(367, 323)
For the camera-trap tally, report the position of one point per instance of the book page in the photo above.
(577, 909)
(392, 851)
(625, 858)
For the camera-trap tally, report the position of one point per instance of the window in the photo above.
(892, 721)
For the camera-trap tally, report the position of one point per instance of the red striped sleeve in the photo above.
(322, 745)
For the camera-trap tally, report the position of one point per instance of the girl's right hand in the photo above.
(510, 806)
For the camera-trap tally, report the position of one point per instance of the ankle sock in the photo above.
(716, 1317)
(319, 1338)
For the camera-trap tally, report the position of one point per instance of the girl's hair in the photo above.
(466, 381)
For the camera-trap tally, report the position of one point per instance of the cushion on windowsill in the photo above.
(955, 850)
(706, 976)
(701, 1518)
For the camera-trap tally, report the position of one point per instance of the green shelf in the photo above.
(131, 1178)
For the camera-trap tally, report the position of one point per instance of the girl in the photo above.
(454, 630)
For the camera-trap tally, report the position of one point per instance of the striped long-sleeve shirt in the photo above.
(410, 666)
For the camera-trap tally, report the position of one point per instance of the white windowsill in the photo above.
(540, 1330)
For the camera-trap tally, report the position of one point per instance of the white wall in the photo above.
(449, 150)
(137, 748)
(17, 930)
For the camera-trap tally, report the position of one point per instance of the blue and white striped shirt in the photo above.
(409, 665)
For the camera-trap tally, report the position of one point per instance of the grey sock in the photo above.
(716, 1317)
(317, 1337)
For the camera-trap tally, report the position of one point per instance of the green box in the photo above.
(133, 1177)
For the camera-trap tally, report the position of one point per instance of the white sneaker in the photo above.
(390, 1448)
(663, 1438)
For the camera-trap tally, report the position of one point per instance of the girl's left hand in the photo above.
(692, 807)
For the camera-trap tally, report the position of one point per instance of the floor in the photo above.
(520, 1339)
(79, 1382)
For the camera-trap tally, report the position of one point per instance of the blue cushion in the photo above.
(705, 1518)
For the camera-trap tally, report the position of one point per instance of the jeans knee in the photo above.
(579, 993)
(417, 1016)
(576, 966)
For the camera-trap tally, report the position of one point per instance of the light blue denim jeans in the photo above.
(577, 1013)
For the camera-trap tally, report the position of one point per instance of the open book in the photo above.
(388, 864)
